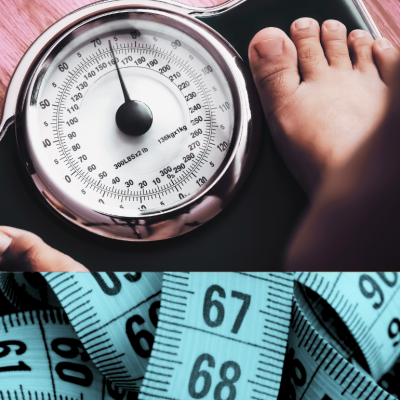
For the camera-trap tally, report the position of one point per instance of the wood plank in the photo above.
(386, 14)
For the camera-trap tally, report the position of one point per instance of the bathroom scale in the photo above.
(132, 136)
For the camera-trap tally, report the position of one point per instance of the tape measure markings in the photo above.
(25, 394)
(184, 331)
(323, 328)
(350, 383)
(218, 336)
(362, 323)
(386, 305)
(110, 349)
(17, 292)
(171, 331)
(41, 346)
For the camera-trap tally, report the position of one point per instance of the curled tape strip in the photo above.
(201, 336)
(41, 358)
(365, 303)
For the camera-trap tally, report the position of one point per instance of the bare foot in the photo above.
(323, 93)
(23, 251)
(354, 222)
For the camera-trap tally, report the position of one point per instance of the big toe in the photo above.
(386, 57)
(273, 61)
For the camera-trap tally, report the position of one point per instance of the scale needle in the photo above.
(121, 80)
(133, 117)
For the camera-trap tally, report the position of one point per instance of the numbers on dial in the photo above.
(101, 66)
(190, 96)
(193, 145)
(222, 146)
(90, 74)
(183, 85)
(135, 34)
(63, 67)
(87, 66)
(195, 108)
(43, 104)
(175, 44)
(96, 42)
(201, 181)
(72, 109)
(152, 63)
(165, 171)
(188, 157)
(224, 106)
(175, 76)
(126, 60)
(82, 85)
(164, 69)
(72, 121)
(179, 168)
(142, 184)
(207, 70)
(140, 60)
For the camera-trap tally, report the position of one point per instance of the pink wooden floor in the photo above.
(21, 21)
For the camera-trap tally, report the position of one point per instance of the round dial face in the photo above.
(132, 114)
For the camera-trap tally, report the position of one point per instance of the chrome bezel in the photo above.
(226, 182)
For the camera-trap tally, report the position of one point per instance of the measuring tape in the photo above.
(220, 336)
(42, 359)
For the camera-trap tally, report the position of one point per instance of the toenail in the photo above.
(384, 44)
(270, 47)
(358, 34)
(332, 25)
(302, 23)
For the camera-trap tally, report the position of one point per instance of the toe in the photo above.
(386, 57)
(334, 42)
(305, 34)
(273, 61)
(360, 45)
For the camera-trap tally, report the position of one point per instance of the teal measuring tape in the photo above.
(220, 336)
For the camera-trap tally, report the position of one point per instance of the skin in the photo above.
(327, 101)
(331, 102)
(323, 95)
(23, 251)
